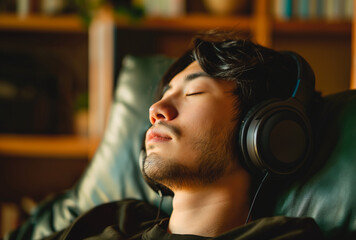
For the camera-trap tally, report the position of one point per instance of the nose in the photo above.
(162, 110)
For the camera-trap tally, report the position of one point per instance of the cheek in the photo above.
(198, 120)
(211, 122)
(213, 112)
(206, 118)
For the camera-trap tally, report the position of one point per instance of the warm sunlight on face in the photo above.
(190, 138)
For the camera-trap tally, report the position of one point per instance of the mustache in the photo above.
(173, 129)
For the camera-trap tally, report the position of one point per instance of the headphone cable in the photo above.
(255, 197)
(160, 205)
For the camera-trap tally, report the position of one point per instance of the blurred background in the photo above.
(59, 60)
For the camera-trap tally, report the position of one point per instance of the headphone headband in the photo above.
(304, 88)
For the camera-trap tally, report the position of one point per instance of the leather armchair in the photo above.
(325, 192)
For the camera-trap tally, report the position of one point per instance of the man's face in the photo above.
(189, 143)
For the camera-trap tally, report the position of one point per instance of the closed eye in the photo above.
(195, 93)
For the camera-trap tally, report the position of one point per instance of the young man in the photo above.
(191, 150)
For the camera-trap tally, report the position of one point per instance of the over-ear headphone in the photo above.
(275, 135)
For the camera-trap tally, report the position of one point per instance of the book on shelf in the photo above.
(282, 9)
(164, 8)
(23, 8)
(303, 9)
(312, 9)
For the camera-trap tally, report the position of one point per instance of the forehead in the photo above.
(194, 73)
(192, 68)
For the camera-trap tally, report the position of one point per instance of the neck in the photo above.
(213, 209)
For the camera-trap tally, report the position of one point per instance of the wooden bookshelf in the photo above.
(314, 27)
(190, 22)
(44, 146)
(59, 23)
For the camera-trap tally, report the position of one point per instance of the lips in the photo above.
(155, 135)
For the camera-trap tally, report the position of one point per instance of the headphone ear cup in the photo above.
(275, 136)
(244, 126)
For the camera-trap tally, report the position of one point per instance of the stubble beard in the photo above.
(214, 159)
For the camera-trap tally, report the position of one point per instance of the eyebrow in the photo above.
(196, 75)
(187, 78)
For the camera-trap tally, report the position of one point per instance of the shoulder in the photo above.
(114, 212)
(127, 217)
(277, 228)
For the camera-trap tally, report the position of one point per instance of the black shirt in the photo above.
(134, 219)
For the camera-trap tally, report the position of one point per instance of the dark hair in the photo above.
(260, 73)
